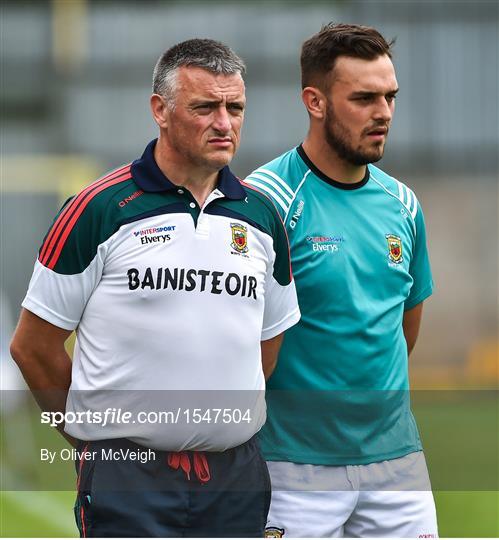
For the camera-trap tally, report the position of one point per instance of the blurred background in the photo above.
(75, 83)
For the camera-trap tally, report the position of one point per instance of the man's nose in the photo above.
(221, 121)
(384, 111)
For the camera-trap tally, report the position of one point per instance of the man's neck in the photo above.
(328, 161)
(198, 180)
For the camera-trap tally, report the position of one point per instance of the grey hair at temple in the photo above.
(208, 54)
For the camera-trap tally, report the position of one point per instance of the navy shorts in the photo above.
(126, 490)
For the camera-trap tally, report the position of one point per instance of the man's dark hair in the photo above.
(203, 53)
(320, 52)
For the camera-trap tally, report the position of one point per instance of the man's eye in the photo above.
(236, 108)
(203, 108)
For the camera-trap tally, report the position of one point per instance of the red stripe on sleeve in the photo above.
(54, 257)
(64, 216)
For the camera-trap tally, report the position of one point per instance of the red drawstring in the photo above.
(176, 459)
(201, 467)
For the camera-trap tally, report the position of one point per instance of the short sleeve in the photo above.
(419, 267)
(68, 267)
(281, 303)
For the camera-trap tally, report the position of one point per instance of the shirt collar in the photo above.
(149, 177)
(331, 181)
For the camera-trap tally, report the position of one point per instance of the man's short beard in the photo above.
(337, 137)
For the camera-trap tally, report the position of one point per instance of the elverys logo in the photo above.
(154, 235)
(329, 243)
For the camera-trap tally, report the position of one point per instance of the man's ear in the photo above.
(160, 111)
(314, 101)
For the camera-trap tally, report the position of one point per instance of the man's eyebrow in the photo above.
(367, 93)
(205, 101)
(200, 102)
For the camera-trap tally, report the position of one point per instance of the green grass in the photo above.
(37, 514)
(460, 514)
(459, 432)
(468, 513)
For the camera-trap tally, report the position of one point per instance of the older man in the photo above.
(176, 278)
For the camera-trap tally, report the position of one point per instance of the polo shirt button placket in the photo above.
(203, 224)
(203, 227)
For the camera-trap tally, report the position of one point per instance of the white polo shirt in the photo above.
(170, 302)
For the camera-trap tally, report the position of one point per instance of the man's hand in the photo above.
(38, 349)
(410, 324)
(270, 350)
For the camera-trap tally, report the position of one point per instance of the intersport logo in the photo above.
(153, 235)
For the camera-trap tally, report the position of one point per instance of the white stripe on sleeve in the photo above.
(414, 211)
(278, 189)
(401, 191)
(263, 187)
(277, 178)
(409, 199)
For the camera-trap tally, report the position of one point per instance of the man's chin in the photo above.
(220, 160)
(373, 156)
(363, 158)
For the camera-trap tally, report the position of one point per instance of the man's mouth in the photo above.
(221, 142)
(377, 133)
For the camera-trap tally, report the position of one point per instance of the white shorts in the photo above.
(386, 499)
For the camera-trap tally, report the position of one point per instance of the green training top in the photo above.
(339, 394)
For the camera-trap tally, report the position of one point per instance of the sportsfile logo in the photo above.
(155, 235)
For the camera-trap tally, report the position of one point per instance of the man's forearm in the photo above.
(38, 349)
(270, 351)
(411, 324)
(48, 382)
